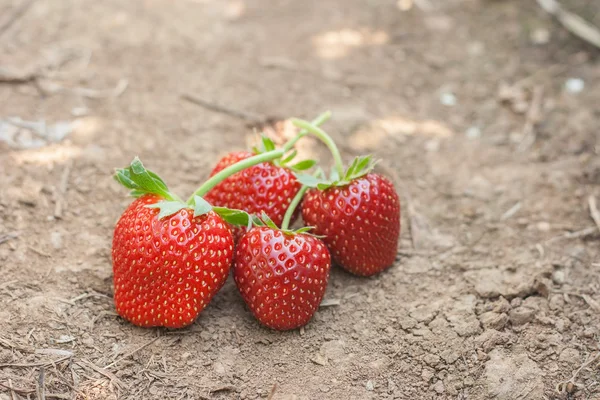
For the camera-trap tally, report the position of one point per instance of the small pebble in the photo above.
(370, 386)
(540, 36)
(448, 99)
(574, 85)
(473, 133)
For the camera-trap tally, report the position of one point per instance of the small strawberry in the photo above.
(264, 187)
(267, 187)
(169, 257)
(281, 275)
(357, 212)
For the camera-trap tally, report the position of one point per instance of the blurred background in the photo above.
(484, 113)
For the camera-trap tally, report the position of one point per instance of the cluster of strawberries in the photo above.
(170, 257)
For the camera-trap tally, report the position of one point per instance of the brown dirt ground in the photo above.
(495, 291)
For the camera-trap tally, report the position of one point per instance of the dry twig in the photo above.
(572, 22)
(62, 190)
(209, 105)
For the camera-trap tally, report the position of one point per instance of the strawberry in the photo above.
(169, 257)
(167, 270)
(356, 210)
(281, 275)
(360, 222)
(268, 187)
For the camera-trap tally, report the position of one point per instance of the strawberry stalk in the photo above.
(257, 159)
(340, 176)
(314, 130)
(292, 207)
(143, 182)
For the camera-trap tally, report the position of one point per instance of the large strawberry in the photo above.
(357, 212)
(169, 257)
(281, 275)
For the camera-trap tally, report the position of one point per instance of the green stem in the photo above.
(325, 138)
(292, 207)
(320, 120)
(257, 159)
(233, 169)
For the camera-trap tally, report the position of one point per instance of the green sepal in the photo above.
(308, 180)
(235, 217)
(142, 181)
(359, 167)
(168, 208)
(290, 157)
(201, 206)
(303, 165)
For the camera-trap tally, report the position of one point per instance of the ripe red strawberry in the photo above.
(167, 270)
(264, 187)
(360, 222)
(169, 257)
(282, 276)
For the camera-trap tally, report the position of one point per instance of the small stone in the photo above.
(450, 355)
(543, 226)
(588, 333)
(521, 315)
(501, 305)
(370, 386)
(516, 302)
(432, 145)
(439, 387)
(574, 85)
(492, 338)
(427, 374)
(540, 36)
(431, 359)
(570, 356)
(448, 99)
(473, 133)
(558, 277)
(493, 320)
(56, 240)
(423, 314)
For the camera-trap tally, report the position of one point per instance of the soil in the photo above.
(495, 293)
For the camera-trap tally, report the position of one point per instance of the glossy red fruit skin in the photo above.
(263, 187)
(360, 223)
(281, 277)
(167, 271)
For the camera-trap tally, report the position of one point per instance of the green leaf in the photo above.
(324, 186)
(290, 157)
(137, 193)
(303, 165)
(142, 181)
(167, 208)
(123, 177)
(267, 143)
(201, 206)
(233, 216)
(268, 221)
(334, 176)
(308, 180)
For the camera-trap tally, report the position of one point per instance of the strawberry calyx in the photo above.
(264, 220)
(142, 181)
(339, 176)
(267, 145)
(359, 167)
